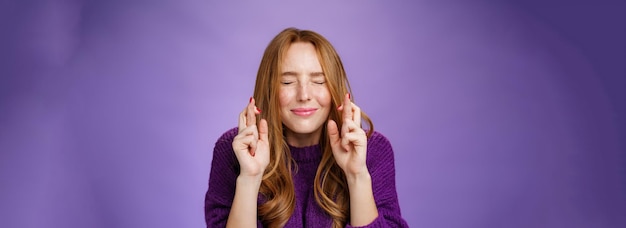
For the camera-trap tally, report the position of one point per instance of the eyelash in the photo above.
(288, 83)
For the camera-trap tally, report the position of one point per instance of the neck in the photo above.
(303, 139)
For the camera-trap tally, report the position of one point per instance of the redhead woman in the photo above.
(299, 156)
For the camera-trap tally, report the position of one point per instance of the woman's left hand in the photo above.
(349, 145)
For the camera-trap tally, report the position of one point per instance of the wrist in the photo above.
(251, 175)
(360, 178)
(249, 182)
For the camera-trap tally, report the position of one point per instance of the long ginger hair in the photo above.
(277, 187)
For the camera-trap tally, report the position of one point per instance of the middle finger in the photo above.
(251, 118)
(347, 107)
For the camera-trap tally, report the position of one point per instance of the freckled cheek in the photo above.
(285, 96)
(323, 97)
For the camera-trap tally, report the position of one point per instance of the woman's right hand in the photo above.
(251, 144)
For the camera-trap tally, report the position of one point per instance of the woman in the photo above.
(299, 157)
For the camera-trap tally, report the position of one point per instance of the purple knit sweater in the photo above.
(380, 162)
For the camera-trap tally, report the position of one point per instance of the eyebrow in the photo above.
(291, 73)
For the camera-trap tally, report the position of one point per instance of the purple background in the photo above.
(501, 114)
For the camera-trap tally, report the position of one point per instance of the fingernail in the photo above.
(258, 110)
(339, 107)
(348, 95)
(250, 100)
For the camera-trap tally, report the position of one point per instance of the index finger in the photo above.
(242, 119)
(357, 114)
(263, 130)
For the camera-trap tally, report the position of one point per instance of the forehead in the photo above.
(301, 56)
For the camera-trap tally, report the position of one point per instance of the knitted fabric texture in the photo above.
(307, 213)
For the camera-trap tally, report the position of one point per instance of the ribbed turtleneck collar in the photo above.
(306, 154)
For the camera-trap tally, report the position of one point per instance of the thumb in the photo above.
(263, 132)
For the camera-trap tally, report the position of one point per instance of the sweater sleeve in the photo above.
(222, 179)
(380, 162)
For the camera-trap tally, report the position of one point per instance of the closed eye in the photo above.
(318, 78)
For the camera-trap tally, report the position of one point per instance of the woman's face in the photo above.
(304, 96)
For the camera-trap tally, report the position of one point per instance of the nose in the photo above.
(303, 92)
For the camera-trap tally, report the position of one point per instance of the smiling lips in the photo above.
(304, 111)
